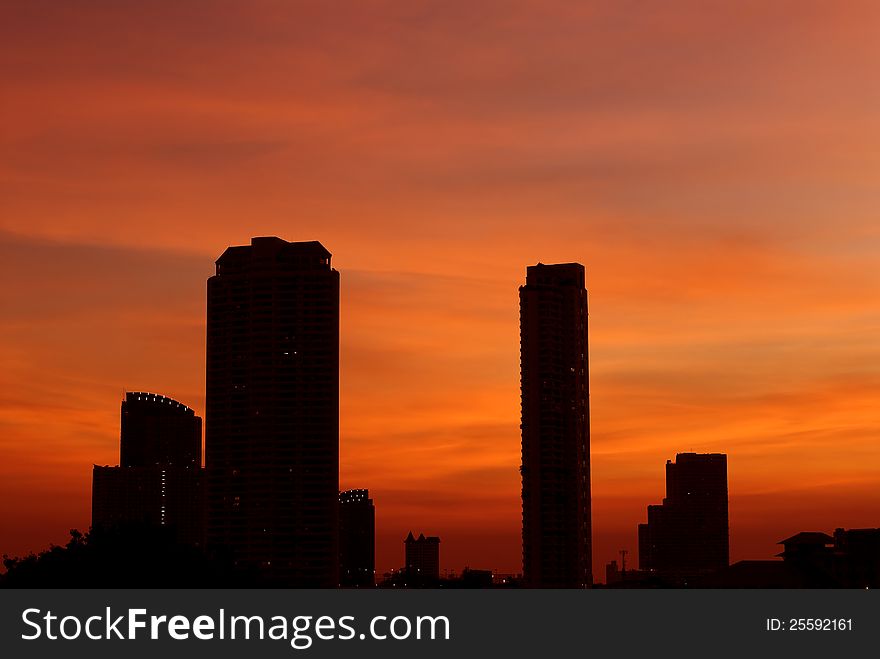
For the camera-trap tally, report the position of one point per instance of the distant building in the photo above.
(470, 579)
(272, 411)
(808, 548)
(556, 534)
(687, 536)
(848, 559)
(617, 577)
(506, 580)
(422, 559)
(357, 539)
(858, 565)
(159, 481)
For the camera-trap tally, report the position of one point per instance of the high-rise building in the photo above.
(159, 480)
(557, 546)
(687, 536)
(357, 539)
(422, 559)
(158, 430)
(272, 410)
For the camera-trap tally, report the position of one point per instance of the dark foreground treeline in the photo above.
(128, 556)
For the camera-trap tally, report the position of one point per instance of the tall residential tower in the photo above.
(557, 545)
(272, 410)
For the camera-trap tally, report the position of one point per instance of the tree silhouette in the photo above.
(124, 556)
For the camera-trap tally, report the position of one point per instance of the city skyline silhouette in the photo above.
(268, 506)
(711, 167)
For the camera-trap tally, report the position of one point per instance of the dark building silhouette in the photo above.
(812, 556)
(357, 539)
(469, 578)
(688, 536)
(618, 576)
(159, 481)
(557, 543)
(422, 560)
(272, 410)
(858, 558)
(848, 559)
(755, 574)
(158, 430)
(806, 547)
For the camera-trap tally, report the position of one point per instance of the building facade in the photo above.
(687, 536)
(159, 480)
(554, 363)
(422, 560)
(155, 429)
(357, 539)
(272, 410)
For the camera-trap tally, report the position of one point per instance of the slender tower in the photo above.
(272, 411)
(357, 539)
(557, 543)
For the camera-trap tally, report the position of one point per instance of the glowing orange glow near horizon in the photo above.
(714, 168)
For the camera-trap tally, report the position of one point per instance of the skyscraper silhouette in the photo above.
(687, 536)
(159, 480)
(272, 410)
(357, 539)
(557, 535)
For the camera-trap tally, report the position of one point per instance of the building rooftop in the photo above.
(271, 250)
(354, 496)
(556, 274)
(422, 538)
(146, 397)
(808, 538)
(698, 457)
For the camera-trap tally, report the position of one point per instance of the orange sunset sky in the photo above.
(714, 165)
